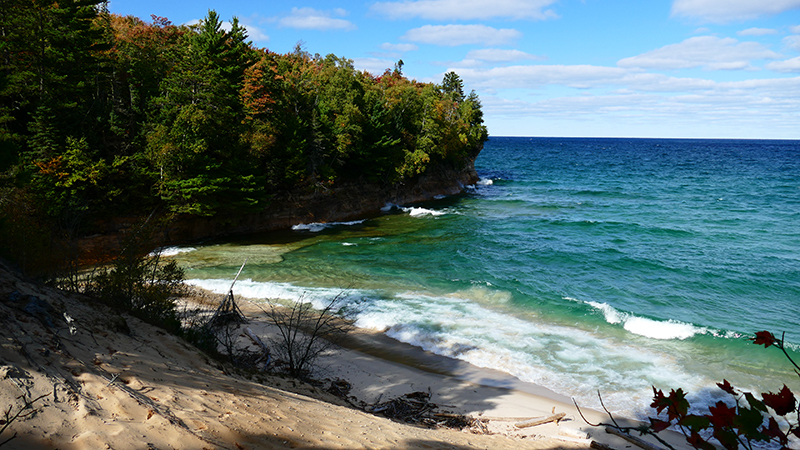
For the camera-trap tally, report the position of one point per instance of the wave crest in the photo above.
(415, 212)
(171, 251)
(316, 227)
(653, 329)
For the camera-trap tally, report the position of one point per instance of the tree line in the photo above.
(104, 115)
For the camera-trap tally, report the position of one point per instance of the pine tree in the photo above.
(195, 141)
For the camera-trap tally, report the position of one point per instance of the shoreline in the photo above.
(379, 367)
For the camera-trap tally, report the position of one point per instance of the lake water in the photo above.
(576, 264)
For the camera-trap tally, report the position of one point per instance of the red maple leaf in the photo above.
(764, 338)
(659, 425)
(676, 404)
(658, 400)
(698, 442)
(725, 386)
(774, 431)
(722, 415)
(783, 402)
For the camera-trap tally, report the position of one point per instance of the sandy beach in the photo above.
(109, 381)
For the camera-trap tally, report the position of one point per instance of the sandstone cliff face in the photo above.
(341, 203)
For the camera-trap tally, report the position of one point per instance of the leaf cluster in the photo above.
(744, 421)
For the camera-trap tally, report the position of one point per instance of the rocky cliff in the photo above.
(341, 203)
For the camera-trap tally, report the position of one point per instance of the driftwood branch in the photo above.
(540, 421)
(633, 439)
(237, 274)
(623, 432)
(256, 340)
(600, 446)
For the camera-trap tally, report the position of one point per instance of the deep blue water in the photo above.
(577, 264)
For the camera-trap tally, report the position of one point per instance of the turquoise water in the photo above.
(576, 264)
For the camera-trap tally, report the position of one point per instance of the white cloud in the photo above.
(537, 76)
(312, 19)
(712, 109)
(399, 47)
(375, 66)
(757, 32)
(600, 78)
(482, 57)
(256, 34)
(793, 42)
(720, 11)
(497, 55)
(708, 52)
(466, 9)
(795, 29)
(453, 35)
(790, 65)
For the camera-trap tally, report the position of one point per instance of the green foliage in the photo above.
(103, 115)
(453, 87)
(140, 283)
(195, 140)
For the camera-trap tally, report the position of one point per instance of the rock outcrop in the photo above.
(343, 202)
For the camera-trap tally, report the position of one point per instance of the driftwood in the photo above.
(256, 340)
(633, 439)
(600, 446)
(228, 311)
(340, 388)
(415, 408)
(540, 421)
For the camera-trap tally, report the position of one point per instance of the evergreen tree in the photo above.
(196, 142)
(453, 87)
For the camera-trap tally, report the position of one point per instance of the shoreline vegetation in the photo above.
(109, 379)
(108, 121)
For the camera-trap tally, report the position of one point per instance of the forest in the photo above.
(103, 116)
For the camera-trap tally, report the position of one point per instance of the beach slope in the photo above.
(106, 380)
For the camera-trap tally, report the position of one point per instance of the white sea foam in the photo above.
(485, 182)
(348, 244)
(171, 251)
(319, 297)
(415, 212)
(465, 325)
(316, 227)
(653, 329)
(560, 358)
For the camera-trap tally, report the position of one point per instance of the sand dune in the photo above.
(107, 388)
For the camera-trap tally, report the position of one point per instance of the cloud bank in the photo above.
(722, 11)
(454, 35)
(444, 10)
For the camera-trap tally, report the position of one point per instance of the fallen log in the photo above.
(633, 439)
(256, 340)
(540, 421)
(600, 446)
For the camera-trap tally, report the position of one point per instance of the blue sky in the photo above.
(654, 68)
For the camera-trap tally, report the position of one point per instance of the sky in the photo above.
(568, 68)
